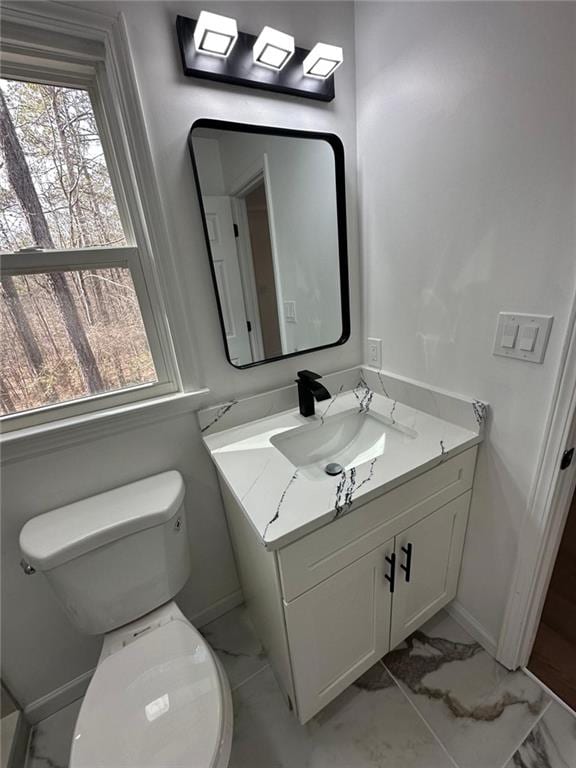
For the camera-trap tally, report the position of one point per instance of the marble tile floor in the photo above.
(437, 701)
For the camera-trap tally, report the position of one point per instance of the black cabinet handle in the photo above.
(392, 576)
(408, 567)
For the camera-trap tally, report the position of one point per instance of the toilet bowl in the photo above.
(159, 697)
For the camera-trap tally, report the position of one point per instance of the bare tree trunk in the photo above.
(23, 186)
(72, 186)
(88, 364)
(31, 348)
(41, 318)
(71, 189)
(70, 144)
(6, 402)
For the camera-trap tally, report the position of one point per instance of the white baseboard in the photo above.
(58, 699)
(472, 626)
(15, 748)
(217, 609)
(75, 689)
(8, 729)
(549, 691)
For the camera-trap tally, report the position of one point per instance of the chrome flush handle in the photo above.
(27, 568)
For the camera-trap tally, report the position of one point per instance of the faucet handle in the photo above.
(308, 375)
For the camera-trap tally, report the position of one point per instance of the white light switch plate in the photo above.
(375, 352)
(523, 337)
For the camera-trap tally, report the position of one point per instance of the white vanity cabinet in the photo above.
(428, 556)
(331, 604)
(338, 629)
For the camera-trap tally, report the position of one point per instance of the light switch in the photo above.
(524, 337)
(509, 334)
(290, 311)
(528, 336)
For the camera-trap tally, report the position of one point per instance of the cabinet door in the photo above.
(428, 556)
(339, 629)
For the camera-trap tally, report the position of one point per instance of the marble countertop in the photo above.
(283, 503)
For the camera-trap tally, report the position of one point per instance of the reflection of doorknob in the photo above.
(566, 459)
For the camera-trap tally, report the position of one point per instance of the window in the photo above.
(77, 327)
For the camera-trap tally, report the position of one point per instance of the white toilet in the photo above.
(159, 698)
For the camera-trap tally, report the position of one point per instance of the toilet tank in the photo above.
(113, 557)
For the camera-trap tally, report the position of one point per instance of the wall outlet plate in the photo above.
(374, 353)
(523, 337)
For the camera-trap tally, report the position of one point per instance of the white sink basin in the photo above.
(349, 439)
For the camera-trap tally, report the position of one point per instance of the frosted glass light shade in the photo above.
(273, 49)
(215, 34)
(322, 61)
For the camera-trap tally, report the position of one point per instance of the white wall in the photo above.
(209, 165)
(172, 102)
(466, 138)
(41, 651)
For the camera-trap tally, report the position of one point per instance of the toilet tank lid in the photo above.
(58, 536)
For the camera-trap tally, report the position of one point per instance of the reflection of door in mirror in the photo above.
(220, 228)
(266, 325)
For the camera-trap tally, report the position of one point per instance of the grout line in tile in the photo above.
(421, 717)
(251, 677)
(517, 746)
(528, 732)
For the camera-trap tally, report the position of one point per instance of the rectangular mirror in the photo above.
(274, 213)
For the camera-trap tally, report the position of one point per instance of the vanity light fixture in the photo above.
(270, 61)
(215, 34)
(273, 49)
(322, 61)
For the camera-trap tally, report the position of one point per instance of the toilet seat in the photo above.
(160, 701)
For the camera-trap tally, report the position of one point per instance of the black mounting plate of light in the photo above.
(239, 67)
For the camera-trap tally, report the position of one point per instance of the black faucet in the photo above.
(309, 390)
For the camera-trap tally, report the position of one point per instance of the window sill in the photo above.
(34, 441)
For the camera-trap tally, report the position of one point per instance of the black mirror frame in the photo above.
(338, 149)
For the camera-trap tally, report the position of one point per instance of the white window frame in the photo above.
(69, 70)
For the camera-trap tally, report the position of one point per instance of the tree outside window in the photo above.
(65, 333)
